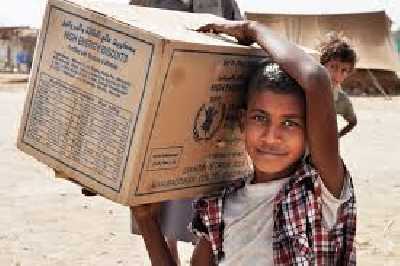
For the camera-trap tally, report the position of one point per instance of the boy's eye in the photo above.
(290, 123)
(258, 118)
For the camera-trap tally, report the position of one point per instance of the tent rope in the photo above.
(378, 85)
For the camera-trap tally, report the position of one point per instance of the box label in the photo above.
(87, 95)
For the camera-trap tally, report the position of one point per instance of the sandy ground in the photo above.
(45, 221)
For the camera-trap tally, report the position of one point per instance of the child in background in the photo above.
(339, 58)
(295, 209)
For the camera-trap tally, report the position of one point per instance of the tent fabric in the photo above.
(368, 32)
(309, 7)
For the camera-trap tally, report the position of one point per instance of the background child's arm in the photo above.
(156, 246)
(313, 78)
(349, 116)
(351, 123)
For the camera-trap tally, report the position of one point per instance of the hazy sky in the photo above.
(29, 12)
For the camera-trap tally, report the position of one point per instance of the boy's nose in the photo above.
(340, 77)
(271, 134)
(337, 78)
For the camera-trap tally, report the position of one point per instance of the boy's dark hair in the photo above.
(270, 77)
(338, 47)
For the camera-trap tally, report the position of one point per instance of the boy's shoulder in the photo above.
(342, 95)
(306, 177)
(300, 205)
(216, 200)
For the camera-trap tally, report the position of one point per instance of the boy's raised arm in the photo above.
(313, 78)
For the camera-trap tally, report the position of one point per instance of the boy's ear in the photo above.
(242, 119)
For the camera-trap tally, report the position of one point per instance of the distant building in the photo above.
(396, 40)
(17, 45)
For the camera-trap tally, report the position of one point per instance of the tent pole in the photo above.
(377, 85)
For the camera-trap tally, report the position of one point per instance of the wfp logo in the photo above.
(208, 120)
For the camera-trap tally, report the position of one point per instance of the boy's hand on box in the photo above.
(241, 30)
(88, 192)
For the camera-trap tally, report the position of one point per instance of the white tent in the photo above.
(306, 22)
(308, 7)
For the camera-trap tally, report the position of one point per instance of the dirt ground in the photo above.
(46, 221)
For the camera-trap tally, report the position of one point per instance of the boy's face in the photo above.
(274, 132)
(338, 71)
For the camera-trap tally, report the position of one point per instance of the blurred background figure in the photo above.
(339, 58)
(223, 8)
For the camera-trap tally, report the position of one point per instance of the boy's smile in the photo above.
(274, 132)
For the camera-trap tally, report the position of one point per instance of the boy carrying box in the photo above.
(297, 208)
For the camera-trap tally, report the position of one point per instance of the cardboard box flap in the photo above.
(171, 25)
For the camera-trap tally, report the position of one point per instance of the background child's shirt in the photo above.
(343, 105)
(248, 217)
(174, 219)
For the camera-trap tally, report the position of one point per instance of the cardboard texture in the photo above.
(135, 105)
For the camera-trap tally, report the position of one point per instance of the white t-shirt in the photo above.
(248, 216)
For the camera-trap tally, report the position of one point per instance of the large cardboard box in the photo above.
(133, 103)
